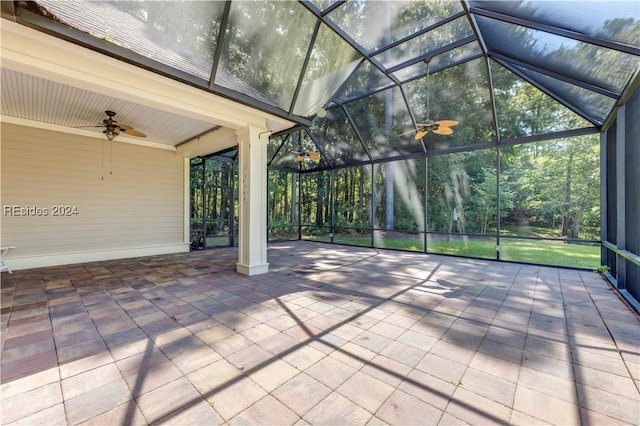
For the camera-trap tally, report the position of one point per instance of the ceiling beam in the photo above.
(417, 33)
(347, 38)
(359, 96)
(305, 65)
(483, 47)
(474, 26)
(219, 43)
(431, 54)
(206, 132)
(608, 92)
(631, 87)
(356, 131)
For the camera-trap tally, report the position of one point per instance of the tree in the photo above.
(485, 198)
(555, 183)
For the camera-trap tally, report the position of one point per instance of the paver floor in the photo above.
(331, 335)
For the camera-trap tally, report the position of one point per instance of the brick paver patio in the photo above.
(332, 335)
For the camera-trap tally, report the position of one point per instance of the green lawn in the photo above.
(551, 253)
(532, 251)
(541, 232)
(529, 231)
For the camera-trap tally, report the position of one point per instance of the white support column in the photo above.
(252, 244)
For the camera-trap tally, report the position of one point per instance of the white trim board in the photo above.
(28, 262)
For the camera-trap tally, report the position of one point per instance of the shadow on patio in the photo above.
(332, 335)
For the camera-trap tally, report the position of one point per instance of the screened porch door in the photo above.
(214, 222)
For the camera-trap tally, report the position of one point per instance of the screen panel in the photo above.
(616, 21)
(336, 137)
(282, 209)
(606, 68)
(376, 24)
(524, 110)
(381, 120)
(552, 189)
(462, 193)
(459, 93)
(265, 47)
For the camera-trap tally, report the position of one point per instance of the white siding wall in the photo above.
(136, 210)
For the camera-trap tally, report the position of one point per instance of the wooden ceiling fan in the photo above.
(303, 155)
(113, 128)
(439, 127)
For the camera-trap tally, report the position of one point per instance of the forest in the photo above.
(548, 190)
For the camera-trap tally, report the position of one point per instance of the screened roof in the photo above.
(353, 73)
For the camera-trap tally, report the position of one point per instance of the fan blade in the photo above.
(123, 126)
(443, 130)
(407, 132)
(447, 123)
(133, 132)
(421, 134)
